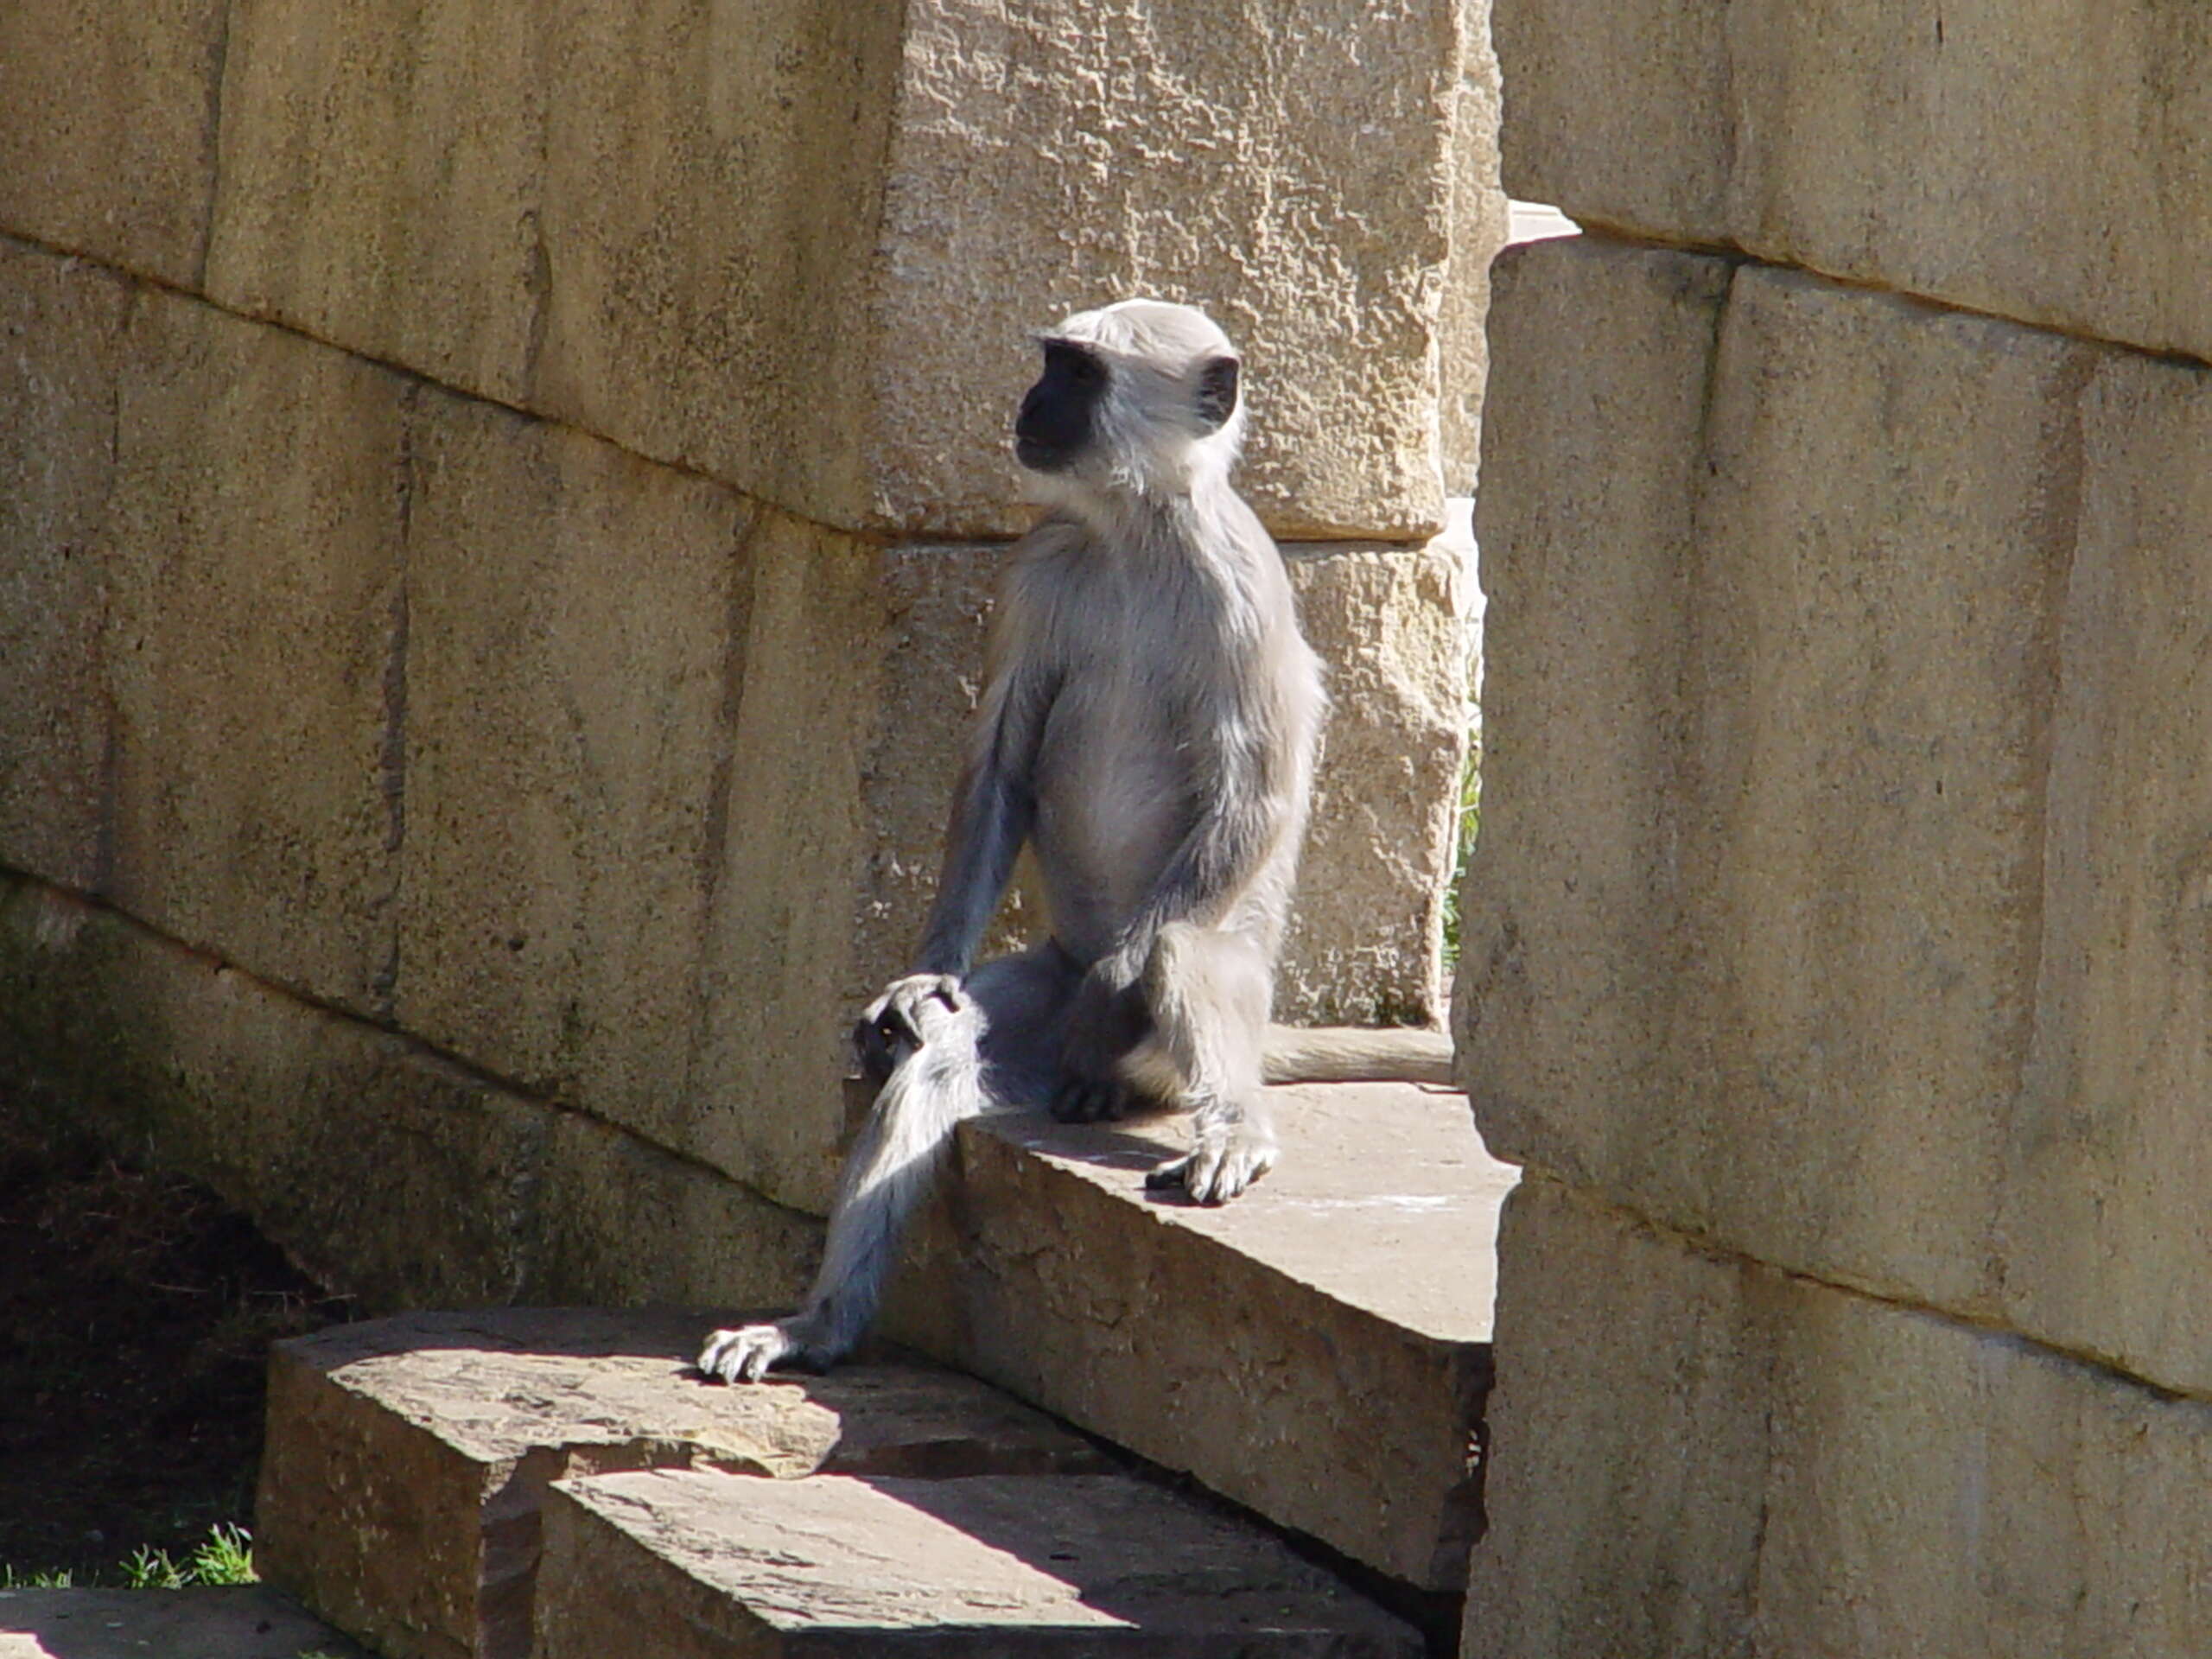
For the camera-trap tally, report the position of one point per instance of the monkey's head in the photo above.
(1139, 396)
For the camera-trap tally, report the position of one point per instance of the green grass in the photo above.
(224, 1556)
(11, 1579)
(1471, 819)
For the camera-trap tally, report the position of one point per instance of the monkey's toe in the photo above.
(1220, 1168)
(1087, 1100)
(745, 1355)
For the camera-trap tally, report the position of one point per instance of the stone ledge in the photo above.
(701, 1565)
(1253, 1345)
(407, 1458)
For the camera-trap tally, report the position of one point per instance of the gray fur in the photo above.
(1148, 729)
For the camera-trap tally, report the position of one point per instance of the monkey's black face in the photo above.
(1054, 427)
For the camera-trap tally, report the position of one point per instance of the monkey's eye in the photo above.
(1074, 363)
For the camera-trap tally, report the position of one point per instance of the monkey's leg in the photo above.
(1209, 993)
(932, 1033)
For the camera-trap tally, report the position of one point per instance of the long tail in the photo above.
(1355, 1054)
(888, 1172)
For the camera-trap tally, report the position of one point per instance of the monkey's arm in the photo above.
(993, 806)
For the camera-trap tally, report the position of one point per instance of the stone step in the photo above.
(407, 1458)
(701, 1565)
(411, 1465)
(1317, 1350)
(245, 1622)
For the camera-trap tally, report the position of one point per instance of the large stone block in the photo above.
(389, 1175)
(252, 550)
(792, 951)
(623, 1222)
(705, 1566)
(2042, 166)
(757, 238)
(1353, 1275)
(1601, 360)
(1695, 1455)
(388, 1172)
(1480, 224)
(1842, 869)
(408, 1458)
(107, 119)
(574, 648)
(63, 325)
(1885, 529)
(1392, 628)
(2104, 1222)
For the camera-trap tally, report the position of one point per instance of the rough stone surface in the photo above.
(407, 1458)
(750, 238)
(708, 1565)
(622, 1220)
(1838, 894)
(379, 182)
(1480, 225)
(246, 1622)
(1323, 143)
(1601, 363)
(2103, 1223)
(61, 328)
(786, 964)
(1888, 142)
(1354, 1273)
(386, 1170)
(107, 119)
(1392, 628)
(575, 646)
(253, 552)
(1696, 1455)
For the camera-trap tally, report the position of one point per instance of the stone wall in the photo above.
(1838, 945)
(497, 507)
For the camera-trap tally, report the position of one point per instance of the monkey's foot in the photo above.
(1087, 1100)
(1226, 1160)
(746, 1354)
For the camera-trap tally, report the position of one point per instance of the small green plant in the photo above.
(1471, 819)
(224, 1556)
(10, 1580)
(152, 1569)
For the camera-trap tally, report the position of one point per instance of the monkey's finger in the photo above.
(743, 1355)
(1168, 1174)
(895, 1026)
(1224, 1172)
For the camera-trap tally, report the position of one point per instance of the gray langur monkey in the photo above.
(1147, 728)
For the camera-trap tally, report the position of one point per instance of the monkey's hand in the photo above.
(900, 1021)
(1229, 1158)
(746, 1354)
(1106, 1020)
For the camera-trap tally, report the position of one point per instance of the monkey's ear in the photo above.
(1217, 398)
